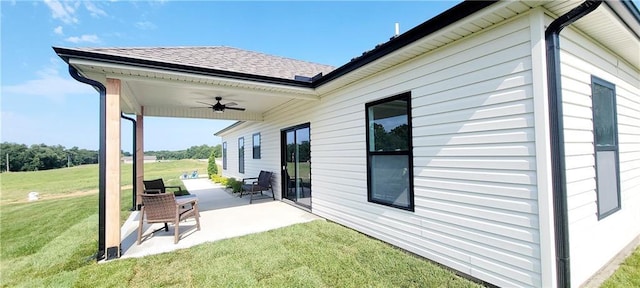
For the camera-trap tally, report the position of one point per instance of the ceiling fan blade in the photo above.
(231, 104)
(200, 107)
(204, 103)
(234, 108)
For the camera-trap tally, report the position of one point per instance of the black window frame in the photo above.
(612, 147)
(224, 155)
(409, 152)
(241, 155)
(256, 148)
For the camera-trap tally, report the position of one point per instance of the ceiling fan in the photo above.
(219, 108)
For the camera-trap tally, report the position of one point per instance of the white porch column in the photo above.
(139, 154)
(112, 167)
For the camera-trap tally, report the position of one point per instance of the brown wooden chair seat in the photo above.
(163, 208)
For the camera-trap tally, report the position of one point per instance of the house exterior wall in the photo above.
(594, 242)
(475, 180)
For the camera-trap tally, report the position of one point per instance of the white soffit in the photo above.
(156, 92)
(604, 27)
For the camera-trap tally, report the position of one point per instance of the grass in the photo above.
(315, 254)
(50, 183)
(628, 274)
(51, 242)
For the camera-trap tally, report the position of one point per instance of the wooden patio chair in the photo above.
(257, 184)
(163, 208)
(156, 186)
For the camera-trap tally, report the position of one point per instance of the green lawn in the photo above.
(16, 185)
(316, 254)
(628, 274)
(51, 243)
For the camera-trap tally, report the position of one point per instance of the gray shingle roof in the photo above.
(221, 58)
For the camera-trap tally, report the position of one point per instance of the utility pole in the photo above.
(7, 162)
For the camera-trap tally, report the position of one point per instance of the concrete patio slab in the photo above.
(222, 216)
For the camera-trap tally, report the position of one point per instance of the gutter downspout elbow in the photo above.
(135, 162)
(102, 155)
(556, 131)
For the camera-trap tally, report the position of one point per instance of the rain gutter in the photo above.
(556, 130)
(102, 155)
(135, 163)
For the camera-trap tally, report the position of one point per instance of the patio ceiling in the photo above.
(162, 86)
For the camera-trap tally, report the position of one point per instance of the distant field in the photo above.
(15, 186)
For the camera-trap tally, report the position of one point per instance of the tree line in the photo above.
(36, 157)
(193, 152)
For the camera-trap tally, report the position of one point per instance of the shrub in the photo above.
(234, 184)
(212, 168)
(219, 179)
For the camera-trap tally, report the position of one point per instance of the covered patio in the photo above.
(181, 82)
(222, 216)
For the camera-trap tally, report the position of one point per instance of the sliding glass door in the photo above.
(296, 164)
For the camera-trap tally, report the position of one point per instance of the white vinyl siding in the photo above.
(594, 242)
(474, 156)
(474, 163)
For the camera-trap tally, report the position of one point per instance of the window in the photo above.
(606, 146)
(224, 155)
(389, 152)
(256, 146)
(241, 154)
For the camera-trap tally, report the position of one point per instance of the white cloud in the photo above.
(94, 10)
(62, 11)
(145, 25)
(58, 30)
(84, 39)
(50, 85)
(158, 2)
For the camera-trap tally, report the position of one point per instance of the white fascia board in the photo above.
(298, 92)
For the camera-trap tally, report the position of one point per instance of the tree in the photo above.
(217, 150)
(198, 152)
(212, 168)
(43, 157)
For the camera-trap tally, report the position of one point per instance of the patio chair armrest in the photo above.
(251, 178)
(189, 201)
(174, 187)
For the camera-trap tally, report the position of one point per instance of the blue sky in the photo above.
(41, 103)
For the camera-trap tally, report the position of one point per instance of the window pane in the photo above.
(603, 115)
(224, 155)
(390, 179)
(606, 147)
(241, 155)
(388, 126)
(256, 146)
(607, 182)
